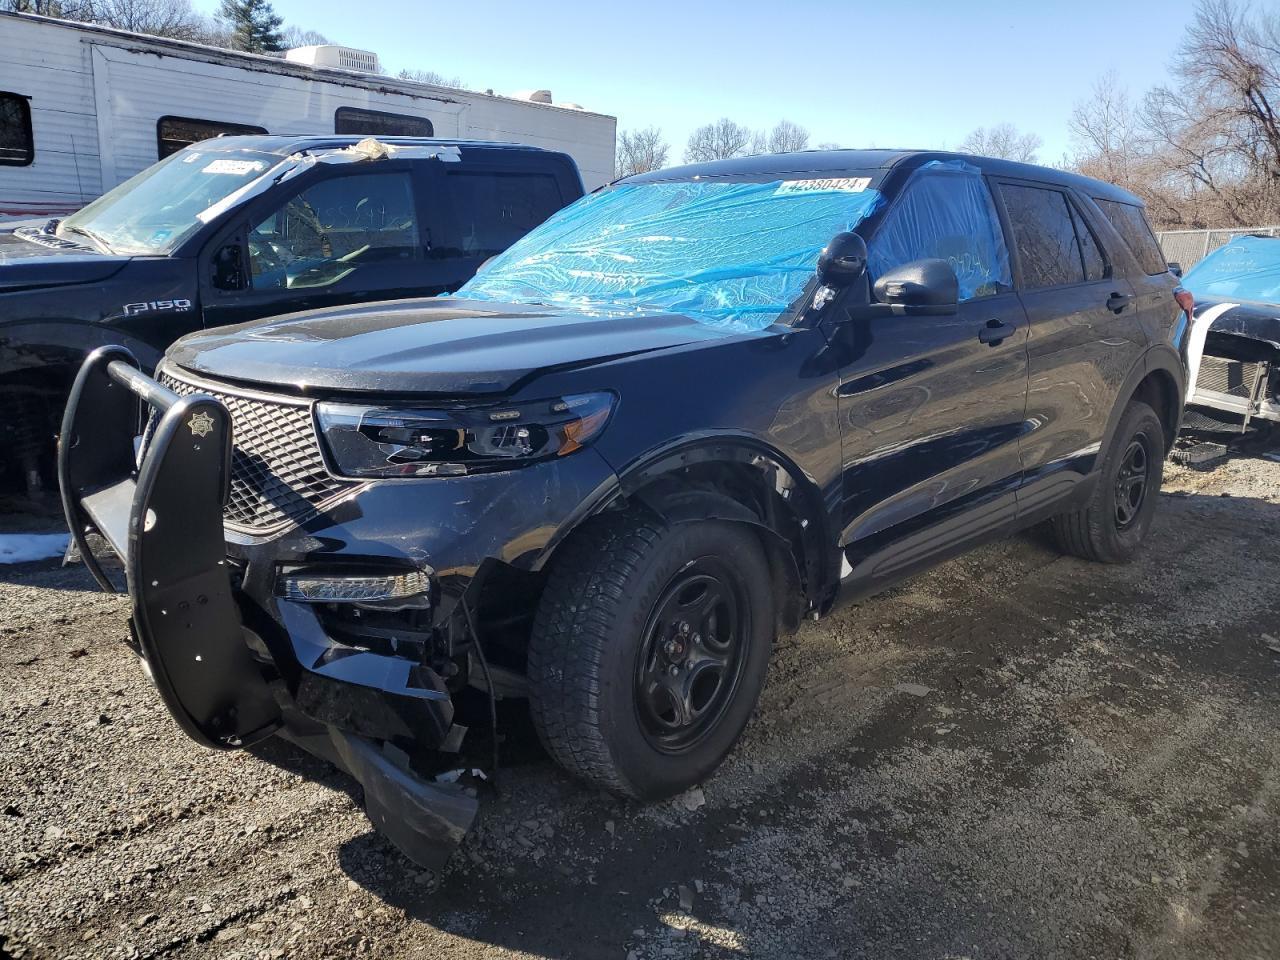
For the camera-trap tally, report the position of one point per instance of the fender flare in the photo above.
(1160, 358)
(65, 342)
(655, 480)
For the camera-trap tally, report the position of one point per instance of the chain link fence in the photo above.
(1188, 247)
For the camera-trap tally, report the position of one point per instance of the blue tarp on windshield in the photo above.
(735, 254)
(1247, 268)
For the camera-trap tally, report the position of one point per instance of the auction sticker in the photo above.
(829, 184)
(237, 167)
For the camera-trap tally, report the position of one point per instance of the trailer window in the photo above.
(174, 133)
(494, 210)
(376, 123)
(17, 147)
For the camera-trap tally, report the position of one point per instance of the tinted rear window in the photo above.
(1131, 224)
(1045, 236)
(494, 210)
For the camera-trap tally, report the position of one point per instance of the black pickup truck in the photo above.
(238, 228)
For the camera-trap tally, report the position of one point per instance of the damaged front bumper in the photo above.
(226, 672)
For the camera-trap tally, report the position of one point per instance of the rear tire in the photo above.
(649, 651)
(1112, 525)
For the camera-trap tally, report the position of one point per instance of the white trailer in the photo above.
(83, 108)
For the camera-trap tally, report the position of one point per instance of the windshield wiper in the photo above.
(96, 238)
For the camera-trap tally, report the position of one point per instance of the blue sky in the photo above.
(891, 74)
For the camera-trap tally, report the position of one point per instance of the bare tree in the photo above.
(1105, 132)
(786, 137)
(431, 76)
(1003, 141)
(640, 151)
(718, 141)
(295, 36)
(158, 18)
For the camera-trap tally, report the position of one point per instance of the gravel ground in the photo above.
(1015, 755)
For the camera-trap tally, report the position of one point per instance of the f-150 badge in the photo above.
(201, 424)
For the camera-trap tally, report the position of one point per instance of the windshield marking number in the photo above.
(828, 184)
(156, 306)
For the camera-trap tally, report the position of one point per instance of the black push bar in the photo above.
(160, 510)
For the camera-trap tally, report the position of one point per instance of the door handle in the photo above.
(1118, 301)
(996, 331)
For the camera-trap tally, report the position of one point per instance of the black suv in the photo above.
(685, 413)
(238, 228)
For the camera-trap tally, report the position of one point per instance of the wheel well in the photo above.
(1159, 391)
(763, 496)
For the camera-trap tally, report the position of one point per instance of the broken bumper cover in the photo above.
(226, 685)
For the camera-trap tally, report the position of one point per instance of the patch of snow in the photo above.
(29, 547)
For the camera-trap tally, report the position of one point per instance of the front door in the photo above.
(932, 408)
(342, 236)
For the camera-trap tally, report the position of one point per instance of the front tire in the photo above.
(1112, 525)
(649, 651)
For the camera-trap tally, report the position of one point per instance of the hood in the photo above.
(442, 346)
(1243, 318)
(31, 258)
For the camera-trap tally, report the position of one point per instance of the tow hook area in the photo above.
(161, 513)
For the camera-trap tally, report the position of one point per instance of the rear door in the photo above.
(932, 407)
(489, 203)
(1085, 335)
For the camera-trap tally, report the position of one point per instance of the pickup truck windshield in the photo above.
(156, 210)
(1247, 268)
(732, 254)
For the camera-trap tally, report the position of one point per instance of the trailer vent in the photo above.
(336, 57)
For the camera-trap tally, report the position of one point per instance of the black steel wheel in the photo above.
(649, 650)
(1112, 524)
(691, 654)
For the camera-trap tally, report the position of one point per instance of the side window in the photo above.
(1131, 223)
(333, 229)
(174, 133)
(494, 210)
(1095, 262)
(17, 146)
(1045, 236)
(945, 211)
(376, 123)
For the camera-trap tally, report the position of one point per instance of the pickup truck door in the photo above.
(340, 235)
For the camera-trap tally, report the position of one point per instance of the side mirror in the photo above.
(843, 260)
(228, 268)
(920, 287)
(1175, 268)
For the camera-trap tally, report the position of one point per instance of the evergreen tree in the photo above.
(255, 26)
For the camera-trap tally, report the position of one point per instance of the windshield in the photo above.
(733, 254)
(1247, 268)
(159, 208)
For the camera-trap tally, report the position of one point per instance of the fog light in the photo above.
(349, 588)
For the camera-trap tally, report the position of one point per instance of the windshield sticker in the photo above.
(837, 184)
(237, 167)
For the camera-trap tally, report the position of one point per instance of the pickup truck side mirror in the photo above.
(228, 268)
(926, 287)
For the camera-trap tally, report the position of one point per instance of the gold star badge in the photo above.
(201, 424)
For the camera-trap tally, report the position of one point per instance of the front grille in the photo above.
(1238, 378)
(278, 476)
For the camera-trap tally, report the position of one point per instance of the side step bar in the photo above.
(162, 515)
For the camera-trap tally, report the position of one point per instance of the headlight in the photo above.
(378, 442)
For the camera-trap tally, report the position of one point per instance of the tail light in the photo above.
(1185, 300)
